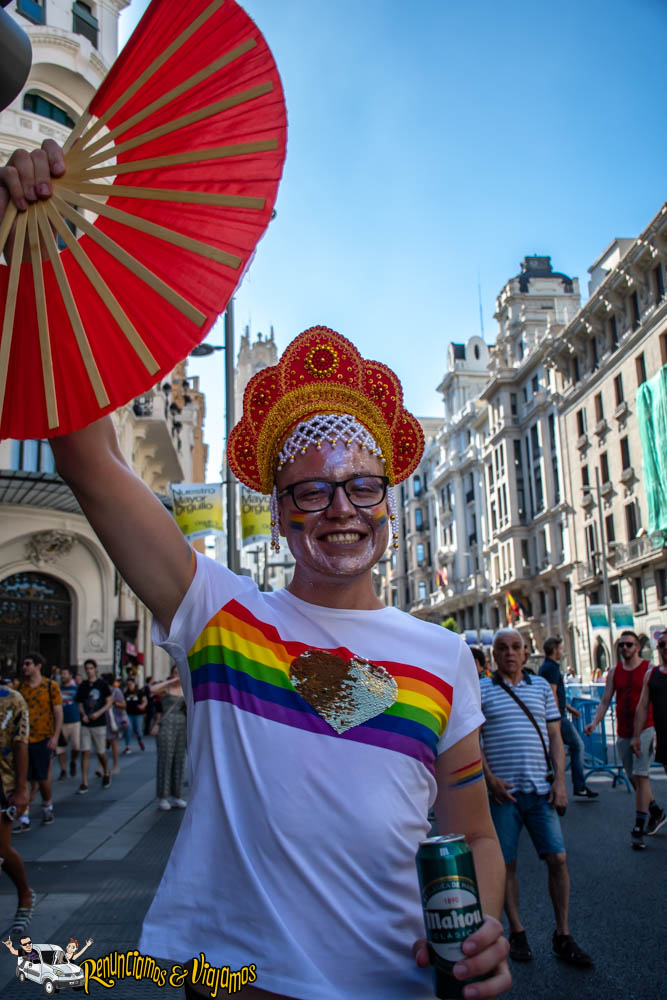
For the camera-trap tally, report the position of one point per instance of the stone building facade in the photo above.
(606, 358)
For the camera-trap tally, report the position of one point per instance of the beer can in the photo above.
(452, 909)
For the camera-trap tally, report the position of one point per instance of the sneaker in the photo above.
(106, 781)
(127, 750)
(47, 815)
(72, 769)
(637, 838)
(82, 790)
(520, 950)
(656, 819)
(569, 952)
(22, 825)
(141, 744)
(179, 804)
(22, 917)
(586, 793)
(164, 804)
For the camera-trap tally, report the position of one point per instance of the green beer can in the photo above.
(452, 909)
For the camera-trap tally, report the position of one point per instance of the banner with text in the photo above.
(255, 517)
(197, 508)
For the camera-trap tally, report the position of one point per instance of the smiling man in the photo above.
(322, 726)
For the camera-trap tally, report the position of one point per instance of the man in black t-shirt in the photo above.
(94, 698)
(550, 670)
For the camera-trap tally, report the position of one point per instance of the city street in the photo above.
(96, 868)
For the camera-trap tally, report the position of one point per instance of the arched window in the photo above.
(39, 105)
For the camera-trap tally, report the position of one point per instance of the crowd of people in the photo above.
(56, 716)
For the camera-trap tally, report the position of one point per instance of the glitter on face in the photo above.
(345, 693)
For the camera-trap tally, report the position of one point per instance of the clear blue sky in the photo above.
(434, 141)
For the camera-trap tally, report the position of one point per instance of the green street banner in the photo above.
(197, 508)
(597, 616)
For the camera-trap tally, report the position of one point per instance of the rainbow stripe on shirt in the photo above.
(242, 660)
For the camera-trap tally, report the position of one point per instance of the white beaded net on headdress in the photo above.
(331, 427)
(326, 428)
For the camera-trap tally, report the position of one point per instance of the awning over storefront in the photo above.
(43, 489)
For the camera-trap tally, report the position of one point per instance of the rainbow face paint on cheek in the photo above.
(297, 520)
(467, 775)
(380, 517)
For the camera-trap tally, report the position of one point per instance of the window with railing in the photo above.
(31, 456)
(604, 467)
(626, 461)
(32, 10)
(658, 283)
(640, 368)
(638, 599)
(618, 390)
(84, 21)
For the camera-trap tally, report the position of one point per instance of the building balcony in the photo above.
(601, 428)
(158, 428)
(606, 489)
(589, 573)
(628, 475)
(582, 442)
(621, 411)
(588, 500)
(647, 548)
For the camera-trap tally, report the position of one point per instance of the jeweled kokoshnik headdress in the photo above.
(322, 373)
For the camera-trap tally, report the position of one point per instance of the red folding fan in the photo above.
(176, 164)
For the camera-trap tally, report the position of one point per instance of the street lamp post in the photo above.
(603, 560)
(202, 351)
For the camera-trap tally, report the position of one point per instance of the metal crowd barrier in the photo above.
(600, 753)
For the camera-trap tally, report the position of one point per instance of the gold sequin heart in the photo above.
(344, 693)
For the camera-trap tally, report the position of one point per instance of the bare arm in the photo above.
(605, 702)
(557, 795)
(57, 726)
(641, 712)
(462, 805)
(20, 796)
(143, 541)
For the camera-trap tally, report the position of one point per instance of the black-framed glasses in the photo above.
(625, 644)
(314, 495)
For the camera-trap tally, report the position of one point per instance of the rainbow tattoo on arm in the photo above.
(467, 775)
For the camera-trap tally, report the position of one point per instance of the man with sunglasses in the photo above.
(654, 698)
(625, 682)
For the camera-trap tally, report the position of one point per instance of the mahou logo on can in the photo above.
(451, 913)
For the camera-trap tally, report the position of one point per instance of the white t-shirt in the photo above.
(297, 850)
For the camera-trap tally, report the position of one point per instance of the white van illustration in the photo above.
(48, 966)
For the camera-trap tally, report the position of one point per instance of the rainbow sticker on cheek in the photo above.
(380, 517)
(297, 521)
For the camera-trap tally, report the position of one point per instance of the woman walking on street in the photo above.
(170, 729)
(135, 705)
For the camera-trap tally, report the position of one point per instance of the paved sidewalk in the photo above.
(95, 869)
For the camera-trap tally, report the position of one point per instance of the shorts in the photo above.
(539, 818)
(39, 760)
(639, 766)
(94, 738)
(72, 734)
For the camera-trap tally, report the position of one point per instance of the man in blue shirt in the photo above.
(71, 730)
(550, 670)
